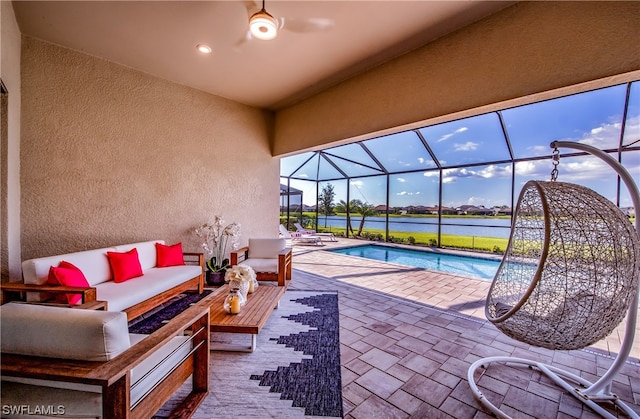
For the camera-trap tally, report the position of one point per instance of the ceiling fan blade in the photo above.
(313, 24)
(251, 6)
(246, 38)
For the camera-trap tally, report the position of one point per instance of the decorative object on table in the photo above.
(253, 285)
(569, 274)
(241, 277)
(234, 302)
(216, 238)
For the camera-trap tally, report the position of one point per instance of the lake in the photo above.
(458, 226)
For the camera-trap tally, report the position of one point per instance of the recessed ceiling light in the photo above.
(204, 48)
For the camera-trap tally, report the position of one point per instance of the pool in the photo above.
(460, 265)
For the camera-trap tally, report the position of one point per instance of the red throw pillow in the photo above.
(124, 265)
(169, 255)
(68, 275)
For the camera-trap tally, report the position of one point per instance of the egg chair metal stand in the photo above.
(569, 277)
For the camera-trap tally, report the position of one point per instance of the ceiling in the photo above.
(321, 44)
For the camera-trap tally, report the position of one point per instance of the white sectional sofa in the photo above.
(69, 362)
(134, 296)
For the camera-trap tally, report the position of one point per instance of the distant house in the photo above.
(383, 209)
(474, 210)
(629, 211)
(445, 210)
(502, 211)
(417, 209)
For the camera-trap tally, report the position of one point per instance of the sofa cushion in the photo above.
(266, 248)
(93, 264)
(124, 265)
(67, 333)
(123, 295)
(68, 275)
(169, 255)
(146, 252)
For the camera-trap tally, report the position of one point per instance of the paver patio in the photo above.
(408, 337)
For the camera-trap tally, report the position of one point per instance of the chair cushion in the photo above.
(266, 248)
(66, 333)
(261, 265)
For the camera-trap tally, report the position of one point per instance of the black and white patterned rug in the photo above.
(294, 371)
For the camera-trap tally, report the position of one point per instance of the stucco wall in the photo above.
(111, 155)
(527, 48)
(10, 151)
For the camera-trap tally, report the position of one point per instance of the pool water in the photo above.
(461, 265)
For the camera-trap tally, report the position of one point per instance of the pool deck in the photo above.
(408, 336)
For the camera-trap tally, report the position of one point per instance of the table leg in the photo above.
(231, 347)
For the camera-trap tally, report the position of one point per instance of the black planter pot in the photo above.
(215, 279)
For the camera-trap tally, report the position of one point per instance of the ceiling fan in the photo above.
(264, 26)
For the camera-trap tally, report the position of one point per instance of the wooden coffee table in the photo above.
(250, 320)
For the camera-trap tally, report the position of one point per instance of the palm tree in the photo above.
(342, 206)
(365, 210)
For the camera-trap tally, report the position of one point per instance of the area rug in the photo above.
(293, 373)
(152, 321)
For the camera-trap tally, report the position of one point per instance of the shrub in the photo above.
(433, 242)
(411, 240)
(496, 249)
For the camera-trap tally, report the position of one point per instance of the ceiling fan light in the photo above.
(263, 25)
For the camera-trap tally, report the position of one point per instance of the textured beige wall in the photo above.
(10, 155)
(111, 155)
(528, 48)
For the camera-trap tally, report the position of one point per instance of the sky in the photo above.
(594, 118)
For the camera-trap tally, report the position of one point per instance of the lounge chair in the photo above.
(297, 237)
(303, 230)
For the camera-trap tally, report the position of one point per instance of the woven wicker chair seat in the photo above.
(570, 270)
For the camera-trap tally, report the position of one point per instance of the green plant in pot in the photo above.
(216, 239)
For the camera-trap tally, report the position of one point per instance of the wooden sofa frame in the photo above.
(114, 375)
(285, 258)
(12, 291)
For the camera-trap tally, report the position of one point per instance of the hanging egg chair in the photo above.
(568, 278)
(570, 270)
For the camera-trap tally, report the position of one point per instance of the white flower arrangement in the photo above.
(240, 273)
(216, 239)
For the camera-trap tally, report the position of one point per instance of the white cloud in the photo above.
(534, 169)
(357, 183)
(401, 179)
(447, 136)
(421, 160)
(495, 171)
(603, 137)
(468, 146)
(489, 172)
(402, 193)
